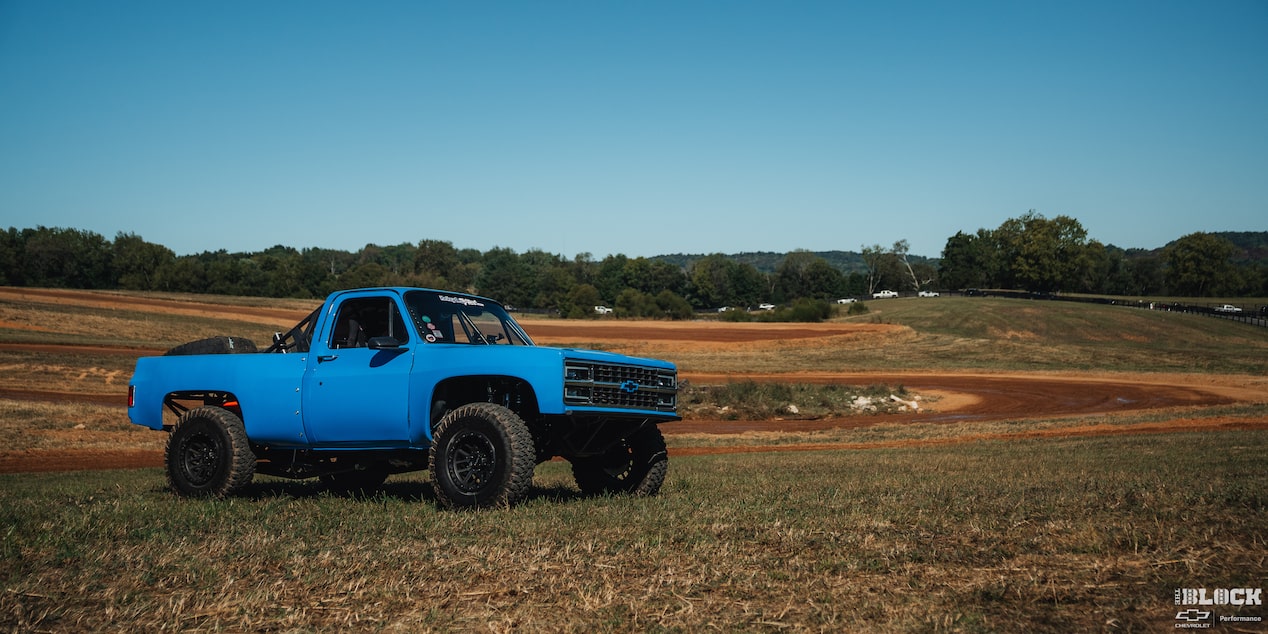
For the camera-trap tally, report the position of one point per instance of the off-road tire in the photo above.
(636, 465)
(482, 456)
(208, 454)
(215, 345)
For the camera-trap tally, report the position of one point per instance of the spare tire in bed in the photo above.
(214, 345)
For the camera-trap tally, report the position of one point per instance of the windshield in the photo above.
(453, 318)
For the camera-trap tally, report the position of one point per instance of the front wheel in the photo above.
(636, 465)
(482, 455)
(208, 454)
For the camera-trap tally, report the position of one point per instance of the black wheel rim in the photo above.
(472, 462)
(618, 463)
(199, 458)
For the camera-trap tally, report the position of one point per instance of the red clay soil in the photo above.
(981, 397)
(57, 460)
(965, 397)
(961, 396)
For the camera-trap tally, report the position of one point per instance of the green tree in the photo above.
(397, 259)
(748, 285)
(581, 302)
(715, 281)
(966, 261)
(12, 245)
(673, 306)
(503, 277)
(1095, 269)
(710, 279)
(549, 279)
(584, 269)
(366, 274)
(634, 303)
(290, 273)
(66, 258)
(1147, 275)
(435, 263)
(804, 274)
(136, 262)
(233, 274)
(654, 276)
(610, 279)
(1198, 265)
(1117, 279)
(1043, 255)
(185, 274)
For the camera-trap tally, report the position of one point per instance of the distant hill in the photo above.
(1253, 245)
(1252, 249)
(769, 261)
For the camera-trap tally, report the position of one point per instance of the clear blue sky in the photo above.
(640, 128)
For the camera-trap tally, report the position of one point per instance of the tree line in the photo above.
(1030, 252)
(1047, 255)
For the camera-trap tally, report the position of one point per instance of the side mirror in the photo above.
(384, 343)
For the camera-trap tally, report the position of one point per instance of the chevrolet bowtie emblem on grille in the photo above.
(629, 387)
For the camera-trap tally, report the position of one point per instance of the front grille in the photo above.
(620, 386)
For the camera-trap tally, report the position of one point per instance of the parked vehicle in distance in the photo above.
(884, 294)
(602, 310)
(766, 306)
(847, 300)
(928, 293)
(1227, 308)
(390, 380)
(725, 309)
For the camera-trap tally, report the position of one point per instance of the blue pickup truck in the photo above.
(389, 380)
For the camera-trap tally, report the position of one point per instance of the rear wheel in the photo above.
(637, 465)
(208, 454)
(482, 455)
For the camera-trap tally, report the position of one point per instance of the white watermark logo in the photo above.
(1203, 617)
(1193, 615)
(1219, 596)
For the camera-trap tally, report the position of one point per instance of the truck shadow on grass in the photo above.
(413, 491)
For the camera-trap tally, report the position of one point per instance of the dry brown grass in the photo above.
(1008, 525)
(82, 373)
(1019, 536)
(35, 425)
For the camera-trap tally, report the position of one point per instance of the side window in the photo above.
(364, 318)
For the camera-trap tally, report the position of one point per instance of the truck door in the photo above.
(353, 395)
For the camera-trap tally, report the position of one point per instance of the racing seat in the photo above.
(356, 335)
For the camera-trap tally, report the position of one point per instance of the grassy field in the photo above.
(1075, 535)
(1019, 335)
(971, 527)
(998, 335)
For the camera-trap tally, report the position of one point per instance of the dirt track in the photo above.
(961, 396)
(148, 304)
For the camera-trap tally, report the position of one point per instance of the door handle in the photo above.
(322, 358)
